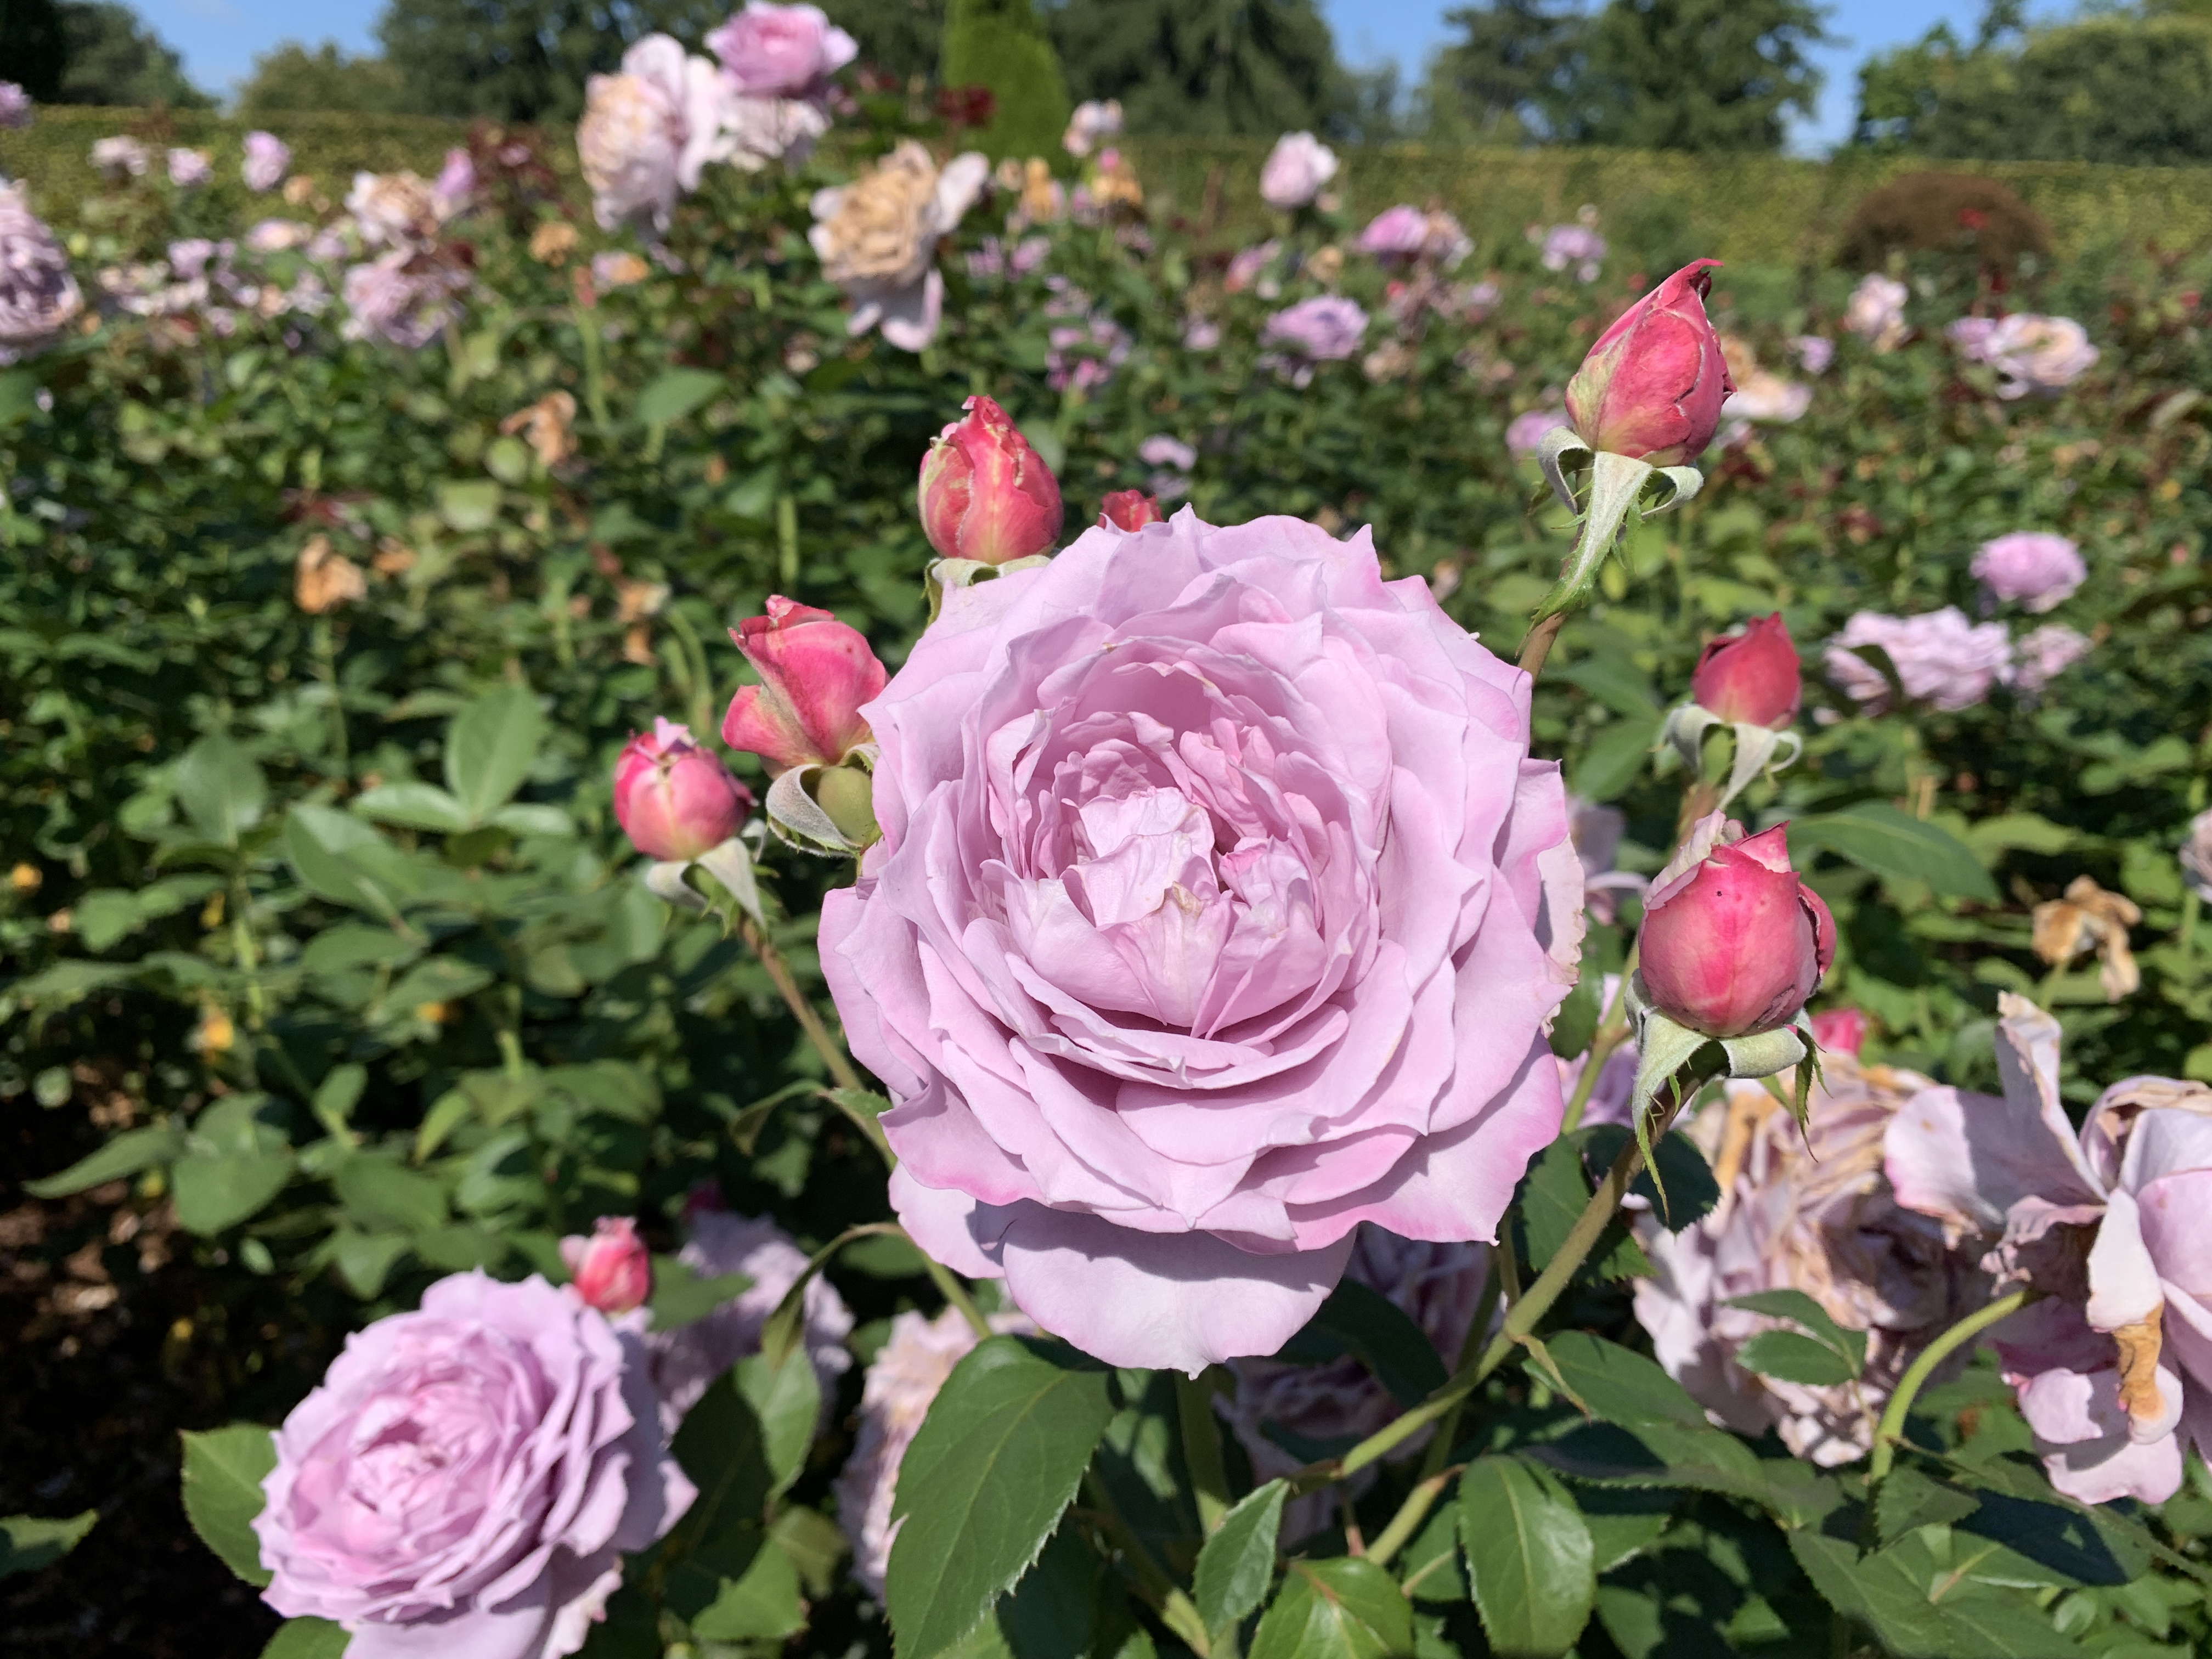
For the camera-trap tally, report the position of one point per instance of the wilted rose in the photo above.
(877, 238)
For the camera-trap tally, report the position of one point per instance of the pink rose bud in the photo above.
(610, 1270)
(816, 672)
(1652, 386)
(1750, 678)
(1129, 510)
(985, 494)
(1841, 1031)
(1736, 943)
(676, 801)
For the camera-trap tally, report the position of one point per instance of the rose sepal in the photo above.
(940, 574)
(731, 864)
(800, 820)
(1759, 748)
(1617, 485)
(1665, 1046)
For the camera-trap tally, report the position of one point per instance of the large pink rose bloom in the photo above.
(468, 1476)
(1219, 909)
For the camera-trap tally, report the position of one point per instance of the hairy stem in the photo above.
(1538, 645)
(1889, 1433)
(950, 1287)
(1470, 1350)
(778, 971)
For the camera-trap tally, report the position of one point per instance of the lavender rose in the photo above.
(15, 108)
(467, 1477)
(1941, 659)
(267, 159)
(2039, 569)
(2043, 654)
(38, 297)
(1524, 433)
(781, 51)
(1219, 909)
(2030, 353)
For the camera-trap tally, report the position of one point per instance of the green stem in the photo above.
(2191, 904)
(1201, 1448)
(950, 1287)
(1889, 1433)
(1158, 1590)
(1612, 1032)
(1407, 1521)
(326, 670)
(1470, 1350)
(779, 972)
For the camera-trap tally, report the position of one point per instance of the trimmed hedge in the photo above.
(1753, 210)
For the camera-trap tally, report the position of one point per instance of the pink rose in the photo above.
(1396, 233)
(467, 1477)
(814, 672)
(781, 51)
(1841, 1031)
(1129, 510)
(673, 800)
(984, 493)
(267, 158)
(1524, 434)
(1941, 659)
(1295, 171)
(2039, 569)
(1732, 942)
(1652, 386)
(15, 108)
(1219, 909)
(2042, 654)
(1753, 677)
(610, 1269)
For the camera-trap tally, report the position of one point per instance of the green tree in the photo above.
(901, 38)
(1002, 44)
(1694, 75)
(290, 77)
(114, 58)
(522, 60)
(1206, 68)
(33, 48)
(1504, 78)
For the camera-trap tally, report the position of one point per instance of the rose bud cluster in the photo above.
(985, 494)
(610, 1269)
(1128, 509)
(674, 800)
(1652, 386)
(1734, 943)
(804, 720)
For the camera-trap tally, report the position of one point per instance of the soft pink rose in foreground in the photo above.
(610, 1269)
(1219, 908)
(267, 159)
(814, 672)
(2039, 569)
(1295, 171)
(2113, 1367)
(1751, 679)
(466, 1479)
(1652, 386)
(781, 51)
(1804, 1211)
(1941, 659)
(984, 493)
(673, 800)
(1735, 943)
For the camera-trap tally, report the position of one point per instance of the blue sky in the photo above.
(219, 38)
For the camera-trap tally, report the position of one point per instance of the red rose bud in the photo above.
(985, 494)
(814, 672)
(1129, 510)
(610, 1269)
(1750, 678)
(676, 801)
(1841, 1031)
(1652, 386)
(1736, 943)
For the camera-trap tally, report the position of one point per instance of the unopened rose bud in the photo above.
(1751, 679)
(1652, 386)
(1736, 943)
(1129, 510)
(814, 672)
(1841, 1031)
(674, 800)
(610, 1269)
(985, 494)
(847, 794)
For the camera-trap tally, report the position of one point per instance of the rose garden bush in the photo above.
(1226, 949)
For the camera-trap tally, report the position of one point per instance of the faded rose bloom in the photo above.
(1877, 312)
(1218, 857)
(455, 186)
(1092, 124)
(1841, 1031)
(2113, 1368)
(877, 238)
(323, 579)
(467, 1477)
(118, 158)
(15, 108)
(781, 51)
(2042, 654)
(1524, 434)
(1652, 386)
(686, 1360)
(815, 674)
(2038, 569)
(1128, 509)
(674, 800)
(1815, 352)
(399, 298)
(1201, 334)
(2196, 856)
(1733, 943)
(622, 270)
(1326, 328)
(2090, 918)
(2030, 353)
(38, 297)
(394, 209)
(1576, 245)
(1437, 1286)
(277, 236)
(1753, 677)
(1396, 233)
(610, 1269)
(189, 168)
(1247, 265)
(1940, 658)
(1295, 171)
(984, 493)
(648, 132)
(902, 1379)
(1808, 1211)
(1765, 395)
(268, 158)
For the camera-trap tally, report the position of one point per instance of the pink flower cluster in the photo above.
(2030, 353)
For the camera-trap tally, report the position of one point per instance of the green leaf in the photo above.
(469, 504)
(1378, 1333)
(719, 1446)
(307, 1638)
(1907, 1498)
(786, 1400)
(989, 1473)
(1613, 681)
(1690, 1189)
(680, 1295)
(223, 1471)
(215, 1191)
(490, 749)
(365, 1260)
(379, 1195)
(1347, 1609)
(1791, 1357)
(1915, 1604)
(27, 1542)
(1619, 1385)
(415, 806)
(221, 789)
(129, 1152)
(1430, 1563)
(1052, 1612)
(758, 1596)
(1877, 836)
(439, 978)
(1615, 758)
(322, 844)
(1528, 1556)
(1550, 1200)
(1703, 1459)
(815, 1544)
(1236, 1565)
(674, 393)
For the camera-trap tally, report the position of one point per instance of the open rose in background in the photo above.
(1941, 659)
(877, 238)
(1220, 908)
(467, 1478)
(1296, 170)
(38, 297)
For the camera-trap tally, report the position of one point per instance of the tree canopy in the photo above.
(522, 60)
(91, 51)
(1206, 68)
(291, 76)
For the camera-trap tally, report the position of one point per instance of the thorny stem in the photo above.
(841, 1069)
(1889, 1433)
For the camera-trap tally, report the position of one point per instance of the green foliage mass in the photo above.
(291, 78)
(1001, 46)
(111, 57)
(1204, 68)
(520, 60)
(33, 49)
